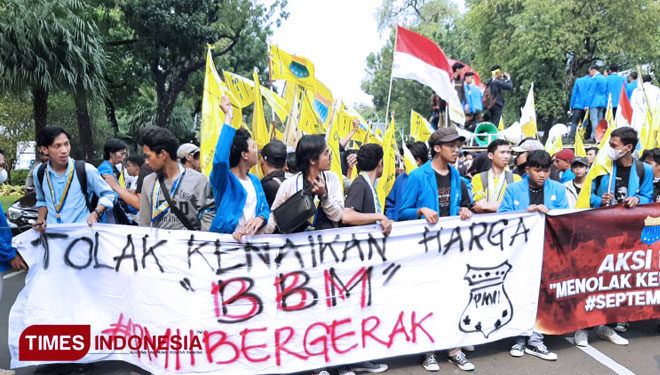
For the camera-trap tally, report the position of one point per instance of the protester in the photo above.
(573, 186)
(474, 104)
(393, 201)
(313, 158)
(29, 180)
(580, 101)
(598, 95)
(114, 152)
(135, 168)
(290, 168)
(3, 171)
(488, 187)
(61, 198)
(591, 155)
(349, 163)
(437, 109)
(562, 161)
(627, 185)
(652, 158)
(631, 85)
(273, 159)
(190, 204)
(362, 205)
(435, 190)
(457, 73)
(240, 199)
(645, 98)
(188, 155)
(498, 82)
(614, 81)
(133, 165)
(536, 192)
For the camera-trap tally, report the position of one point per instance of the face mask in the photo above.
(615, 154)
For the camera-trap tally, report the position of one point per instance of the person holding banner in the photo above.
(242, 208)
(59, 184)
(630, 182)
(652, 158)
(393, 202)
(362, 206)
(9, 258)
(489, 186)
(175, 197)
(536, 192)
(436, 190)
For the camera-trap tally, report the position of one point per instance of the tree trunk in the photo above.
(40, 108)
(110, 114)
(84, 125)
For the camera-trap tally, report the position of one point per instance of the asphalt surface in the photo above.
(641, 357)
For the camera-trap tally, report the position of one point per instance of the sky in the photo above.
(336, 36)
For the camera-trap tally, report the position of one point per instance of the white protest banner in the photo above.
(195, 302)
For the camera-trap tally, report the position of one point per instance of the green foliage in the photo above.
(16, 124)
(17, 178)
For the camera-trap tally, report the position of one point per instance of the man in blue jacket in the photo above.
(632, 181)
(535, 193)
(614, 83)
(474, 104)
(631, 85)
(580, 101)
(598, 95)
(393, 202)
(241, 205)
(433, 190)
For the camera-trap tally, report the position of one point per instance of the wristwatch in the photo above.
(99, 214)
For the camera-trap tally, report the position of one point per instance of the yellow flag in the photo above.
(579, 143)
(259, 128)
(656, 125)
(528, 115)
(276, 102)
(609, 112)
(602, 165)
(346, 120)
(291, 68)
(386, 181)
(212, 115)
(420, 129)
(332, 138)
(500, 126)
(554, 145)
(408, 158)
(241, 87)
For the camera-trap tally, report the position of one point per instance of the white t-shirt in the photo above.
(250, 208)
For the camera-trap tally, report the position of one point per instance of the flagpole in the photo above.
(270, 84)
(389, 93)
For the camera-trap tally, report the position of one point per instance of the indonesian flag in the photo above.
(624, 113)
(419, 59)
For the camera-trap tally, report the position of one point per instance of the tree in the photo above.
(49, 44)
(170, 38)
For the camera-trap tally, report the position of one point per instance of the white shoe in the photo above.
(581, 338)
(430, 363)
(461, 361)
(468, 348)
(541, 351)
(622, 327)
(607, 333)
(517, 350)
(7, 372)
(345, 371)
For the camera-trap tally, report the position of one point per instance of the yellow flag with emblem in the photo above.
(386, 181)
(241, 87)
(332, 138)
(602, 165)
(420, 129)
(291, 68)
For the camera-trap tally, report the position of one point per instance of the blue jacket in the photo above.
(7, 252)
(598, 91)
(643, 192)
(473, 95)
(228, 192)
(393, 200)
(630, 87)
(614, 82)
(516, 195)
(567, 176)
(422, 191)
(580, 98)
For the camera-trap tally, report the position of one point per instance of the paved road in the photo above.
(641, 357)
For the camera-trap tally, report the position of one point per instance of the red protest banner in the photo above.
(600, 266)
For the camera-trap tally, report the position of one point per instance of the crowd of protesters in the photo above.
(164, 188)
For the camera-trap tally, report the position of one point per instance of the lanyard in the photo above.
(65, 193)
(373, 192)
(157, 211)
(494, 195)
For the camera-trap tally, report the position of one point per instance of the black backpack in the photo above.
(79, 166)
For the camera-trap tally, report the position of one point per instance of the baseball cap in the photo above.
(580, 160)
(528, 145)
(186, 149)
(274, 153)
(444, 135)
(566, 155)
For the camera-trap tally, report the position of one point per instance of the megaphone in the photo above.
(513, 133)
(484, 133)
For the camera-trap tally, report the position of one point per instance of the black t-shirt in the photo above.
(577, 188)
(621, 185)
(145, 170)
(656, 190)
(360, 198)
(271, 184)
(536, 196)
(444, 194)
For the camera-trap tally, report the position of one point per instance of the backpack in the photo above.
(508, 177)
(488, 100)
(79, 166)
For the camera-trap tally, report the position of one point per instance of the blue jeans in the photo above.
(595, 115)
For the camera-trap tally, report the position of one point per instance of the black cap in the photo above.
(274, 153)
(444, 135)
(579, 160)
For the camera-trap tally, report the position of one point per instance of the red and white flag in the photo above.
(419, 59)
(624, 113)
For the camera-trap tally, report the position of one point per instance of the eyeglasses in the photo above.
(451, 146)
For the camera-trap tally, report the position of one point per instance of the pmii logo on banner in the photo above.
(54, 343)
